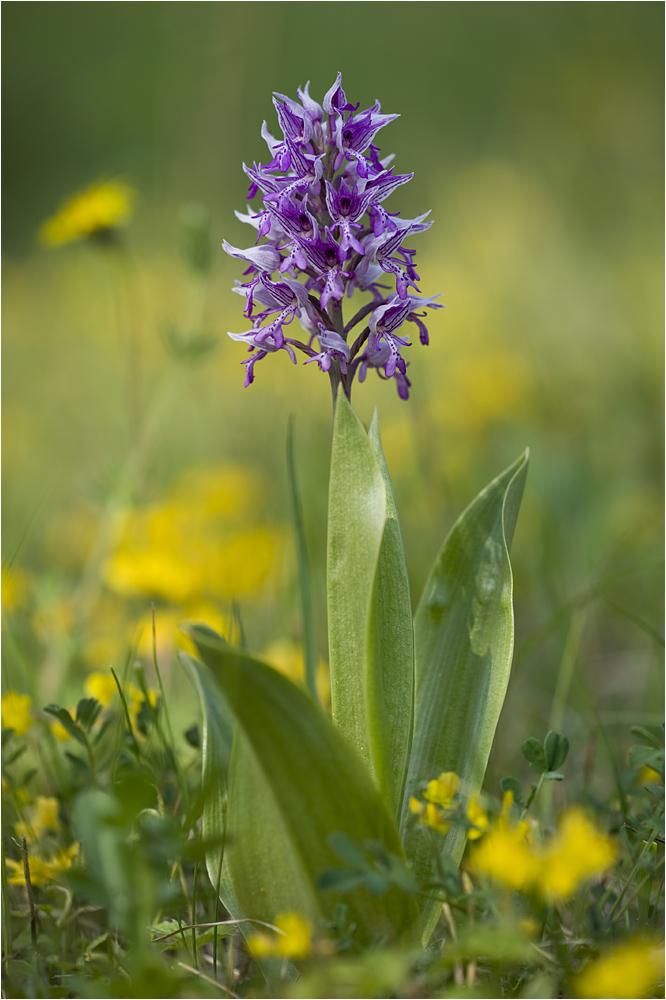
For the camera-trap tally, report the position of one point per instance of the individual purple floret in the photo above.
(327, 236)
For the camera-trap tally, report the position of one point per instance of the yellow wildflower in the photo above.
(477, 815)
(15, 709)
(101, 686)
(100, 207)
(647, 774)
(42, 870)
(295, 941)
(629, 970)
(577, 852)
(136, 699)
(243, 564)
(59, 730)
(43, 816)
(416, 806)
(14, 588)
(436, 818)
(504, 855)
(441, 790)
(158, 572)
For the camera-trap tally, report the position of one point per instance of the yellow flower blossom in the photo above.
(15, 709)
(295, 941)
(42, 870)
(576, 853)
(14, 588)
(102, 206)
(135, 700)
(43, 816)
(441, 790)
(59, 730)
(629, 970)
(101, 686)
(647, 774)
(435, 818)
(477, 815)
(440, 795)
(504, 855)
(157, 572)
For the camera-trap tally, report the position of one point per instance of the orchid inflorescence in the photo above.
(323, 220)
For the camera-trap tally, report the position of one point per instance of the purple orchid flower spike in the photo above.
(328, 237)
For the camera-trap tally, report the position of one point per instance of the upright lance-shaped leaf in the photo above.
(369, 612)
(463, 646)
(294, 781)
(218, 733)
(390, 657)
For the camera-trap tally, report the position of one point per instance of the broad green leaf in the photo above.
(294, 780)
(390, 662)
(535, 755)
(556, 746)
(218, 730)
(369, 610)
(463, 645)
(356, 515)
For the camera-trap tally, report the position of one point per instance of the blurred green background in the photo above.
(535, 134)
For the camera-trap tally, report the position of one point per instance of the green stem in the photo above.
(335, 375)
(533, 794)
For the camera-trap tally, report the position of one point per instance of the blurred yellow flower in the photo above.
(200, 543)
(102, 206)
(575, 854)
(59, 730)
(42, 870)
(441, 790)
(242, 565)
(15, 710)
(477, 815)
(14, 588)
(135, 700)
(295, 941)
(629, 970)
(156, 572)
(43, 816)
(648, 774)
(504, 855)
(101, 686)
(435, 818)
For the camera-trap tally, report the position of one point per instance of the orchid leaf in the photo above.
(390, 656)
(356, 516)
(293, 781)
(218, 731)
(369, 610)
(463, 646)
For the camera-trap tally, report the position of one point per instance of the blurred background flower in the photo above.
(534, 131)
